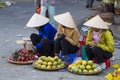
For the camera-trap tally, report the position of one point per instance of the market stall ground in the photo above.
(13, 21)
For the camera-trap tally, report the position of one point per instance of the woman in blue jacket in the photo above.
(44, 41)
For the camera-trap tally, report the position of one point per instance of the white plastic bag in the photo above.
(77, 58)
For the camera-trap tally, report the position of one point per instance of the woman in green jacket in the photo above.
(99, 41)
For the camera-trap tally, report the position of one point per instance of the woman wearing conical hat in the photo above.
(44, 41)
(99, 41)
(67, 36)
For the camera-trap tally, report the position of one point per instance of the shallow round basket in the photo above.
(47, 69)
(99, 70)
(20, 63)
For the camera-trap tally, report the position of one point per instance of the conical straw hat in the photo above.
(97, 22)
(37, 20)
(65, 20)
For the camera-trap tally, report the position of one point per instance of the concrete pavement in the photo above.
(13, 21)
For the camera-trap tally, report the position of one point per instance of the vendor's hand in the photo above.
(64, 57)
(61, 36)
(56, 54)
(58, 35)
(93, 43)
(52, 3)
(34, 48)
(45, 38)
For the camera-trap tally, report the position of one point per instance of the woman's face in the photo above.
(37, 28)
(66, 27)
(63, 26)
(95, 29)
(40, 27)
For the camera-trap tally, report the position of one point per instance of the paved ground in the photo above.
(13, 21)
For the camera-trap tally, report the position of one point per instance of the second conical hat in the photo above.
(65, 19)
(37, 20)
(97, 22)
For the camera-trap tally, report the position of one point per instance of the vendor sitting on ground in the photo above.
(44, 41)
(67, 36)
(99, 41)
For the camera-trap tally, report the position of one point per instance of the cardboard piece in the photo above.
(20, 42)
(26, 42)
(26, 39)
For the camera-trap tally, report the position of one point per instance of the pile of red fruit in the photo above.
(22, 55)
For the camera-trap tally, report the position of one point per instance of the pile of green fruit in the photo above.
(48, 63)
(84, 67)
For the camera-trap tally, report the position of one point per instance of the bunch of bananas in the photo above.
(114, 75)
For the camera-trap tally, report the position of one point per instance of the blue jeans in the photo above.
(51, 12)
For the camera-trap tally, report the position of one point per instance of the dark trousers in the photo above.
(89, 3)
(98, 53)
(109, 8)
(47, 45)
(64, 46)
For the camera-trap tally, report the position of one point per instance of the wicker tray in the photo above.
(47, 69)
(21, 63)
(100, 70)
